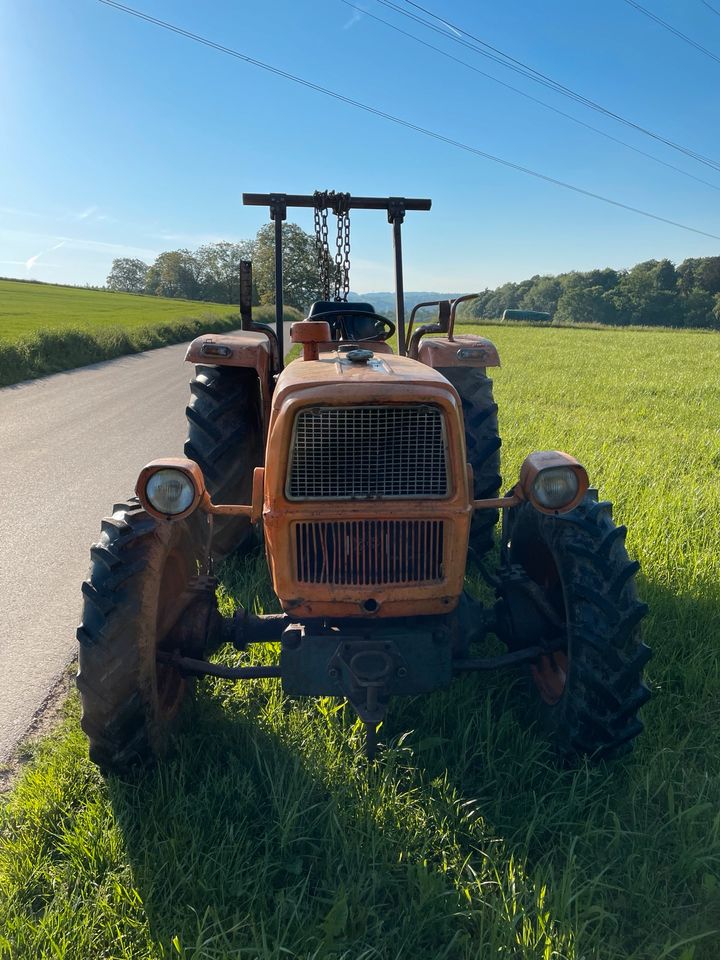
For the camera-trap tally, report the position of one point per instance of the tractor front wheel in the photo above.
(577, 569)
(142, 589)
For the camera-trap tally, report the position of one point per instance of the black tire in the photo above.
(225, 437)
(591, 690)
(141, 581)
(482, 439)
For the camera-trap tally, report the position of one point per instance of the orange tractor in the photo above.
(373, 475)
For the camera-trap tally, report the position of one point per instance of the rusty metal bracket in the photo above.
(278, 206)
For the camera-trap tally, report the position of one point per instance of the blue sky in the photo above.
(118, 138)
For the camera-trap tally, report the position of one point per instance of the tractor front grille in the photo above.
(369, 452)
(366, 553)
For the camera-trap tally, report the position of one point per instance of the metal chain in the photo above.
(342, 255)
(346, 261)
(321, 242)
(337, 270)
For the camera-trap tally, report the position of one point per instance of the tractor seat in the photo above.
(350, 321)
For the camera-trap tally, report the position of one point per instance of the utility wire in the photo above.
(710, 7)
(452, 31)
(678, 33)
(529, 96)
(277, 71)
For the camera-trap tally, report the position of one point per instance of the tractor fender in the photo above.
(247, 349)
(466, 350)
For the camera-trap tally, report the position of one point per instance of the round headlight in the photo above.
(170, 492)
(555, 487)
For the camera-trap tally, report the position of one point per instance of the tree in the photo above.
(606, 278)
(709, 274)
(687, 274)
(506, 297)
(301, 276)
(127, 275)
(579, 303)
(543, 295)
(174, 274)
(648, 295)
(697, 307)
(219, 269)
(700, 272)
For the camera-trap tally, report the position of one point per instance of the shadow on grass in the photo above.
(266, 835)
(239, 848)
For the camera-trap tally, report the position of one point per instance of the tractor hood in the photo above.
(334, 377)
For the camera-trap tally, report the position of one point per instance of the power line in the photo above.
(529, 96)
(375, 111)
(510, 63)
(710, 7)
(678, 33)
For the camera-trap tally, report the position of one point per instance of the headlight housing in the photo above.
(170, 489)
(555, 487)
(170, 492)
(553, 481)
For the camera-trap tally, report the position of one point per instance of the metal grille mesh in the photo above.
(367, 553)
(368, 452)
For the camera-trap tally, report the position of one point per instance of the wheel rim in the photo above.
(550, 672)
(169, 684)
(550, 676)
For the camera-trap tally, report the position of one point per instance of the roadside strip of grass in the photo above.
(265, 835)
(52, 351)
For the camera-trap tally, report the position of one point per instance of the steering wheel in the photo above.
(384, 328)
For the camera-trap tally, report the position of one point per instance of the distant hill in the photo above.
(384, 302)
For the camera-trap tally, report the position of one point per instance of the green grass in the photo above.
(264, 835)
(46, 328)
(26, 308)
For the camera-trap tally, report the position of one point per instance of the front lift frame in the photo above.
(396, 208)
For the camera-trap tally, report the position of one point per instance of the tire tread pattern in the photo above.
(597, 713)
(116, 657)
(225, 437)
(483, 444)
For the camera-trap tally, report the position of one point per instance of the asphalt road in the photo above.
(71, 445)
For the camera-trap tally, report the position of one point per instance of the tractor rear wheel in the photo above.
(225, 437)
(591, 688)
(482, 440)
(143, 584)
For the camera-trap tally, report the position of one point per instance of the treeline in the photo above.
(652, 293)
(211, 272)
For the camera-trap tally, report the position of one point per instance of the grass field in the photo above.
(26, 308)
(45, 328)
(264, 835)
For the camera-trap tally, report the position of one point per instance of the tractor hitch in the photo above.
(366, 665)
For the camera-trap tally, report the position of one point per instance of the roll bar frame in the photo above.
(278, 203)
